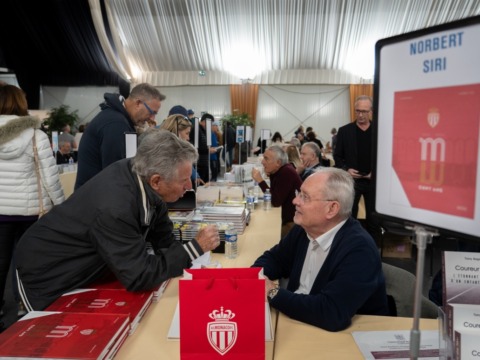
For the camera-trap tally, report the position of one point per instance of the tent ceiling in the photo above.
(203, 42)
(269, 41)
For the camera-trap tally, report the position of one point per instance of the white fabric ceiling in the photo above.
(167, 42)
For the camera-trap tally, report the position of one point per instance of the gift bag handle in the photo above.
(233, 281)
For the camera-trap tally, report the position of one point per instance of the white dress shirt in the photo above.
(317, 252)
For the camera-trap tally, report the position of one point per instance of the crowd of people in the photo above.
(116, 222)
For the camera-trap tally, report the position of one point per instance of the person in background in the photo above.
(116, 223)
(19, 195)
(214, 159)
(312, 137)
(229, 137)
(64, 153)
(296, 142)
(284, 181)
(310, 156)
(181, 126)
(301, 137)
(276, 138)
(204, 150)
(353, 153)
(333, 132)
(293, 156)
(103, 141)
(79, 134)
(191, 115)
(300, 130)
(66, 136)
(261, 147)
(332, 263)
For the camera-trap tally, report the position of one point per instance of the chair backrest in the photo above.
(400, 284)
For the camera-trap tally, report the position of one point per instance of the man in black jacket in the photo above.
(353, 153)
(115, 223)
(103, 141)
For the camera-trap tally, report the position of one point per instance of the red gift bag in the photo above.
(222, 314)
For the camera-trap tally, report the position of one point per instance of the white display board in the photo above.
(427, 106)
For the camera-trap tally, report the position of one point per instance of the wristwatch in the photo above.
(272, 293)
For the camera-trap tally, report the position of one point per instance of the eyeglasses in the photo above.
(305, 199)
(362, 112)
(153, 113)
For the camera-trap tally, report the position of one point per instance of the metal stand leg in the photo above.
(422, 238)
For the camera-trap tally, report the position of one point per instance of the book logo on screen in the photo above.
(432, 154)
(222, 333)
(433, 117)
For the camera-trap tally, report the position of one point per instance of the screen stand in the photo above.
(422, 239)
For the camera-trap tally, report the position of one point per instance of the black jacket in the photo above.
(108, 224)
(103, 141)
(345, 154)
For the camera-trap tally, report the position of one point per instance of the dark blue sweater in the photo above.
(350, 281)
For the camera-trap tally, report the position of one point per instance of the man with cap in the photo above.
(191, 114)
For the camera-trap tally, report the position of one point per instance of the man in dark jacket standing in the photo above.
(103, 141)
(115, 223)
(353, 153)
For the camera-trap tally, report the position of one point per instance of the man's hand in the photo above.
(269, 285)
(256, 175)
(358, 175)
(208, 238)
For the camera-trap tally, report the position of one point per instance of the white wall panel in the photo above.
(212, 99)
(284, 108)
(85, 99)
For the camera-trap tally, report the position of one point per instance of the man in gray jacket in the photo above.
(116, 222)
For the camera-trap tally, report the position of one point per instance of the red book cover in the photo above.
(105, 301)
(54, 335)
(435, 147)
(111, 282)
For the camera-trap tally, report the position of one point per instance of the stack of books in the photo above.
(64, 335)
(105, 301)
(236, 215)
(186, 231)
(179, 215)
(461, 302)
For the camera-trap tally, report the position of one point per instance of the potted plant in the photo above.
(58, 117)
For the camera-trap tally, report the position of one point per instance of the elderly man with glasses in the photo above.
(103, 141)
(332, 263)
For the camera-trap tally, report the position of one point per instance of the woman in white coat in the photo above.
(19, 191)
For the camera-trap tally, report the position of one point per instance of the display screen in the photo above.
(427, 114)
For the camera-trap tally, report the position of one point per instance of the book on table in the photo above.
(112, 283)
(117, 301)
(64, 335)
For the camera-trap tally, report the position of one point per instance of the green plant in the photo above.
(59, 117)
(238, 119)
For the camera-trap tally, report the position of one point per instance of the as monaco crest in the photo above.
(433, 117)
(222, 333)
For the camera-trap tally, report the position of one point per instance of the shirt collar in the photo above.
(325, 240)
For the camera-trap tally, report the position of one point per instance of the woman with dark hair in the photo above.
(26, 186)
(277, 138)
(312, 137)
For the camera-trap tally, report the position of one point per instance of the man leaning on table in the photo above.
(116, 222)
(332, 263)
